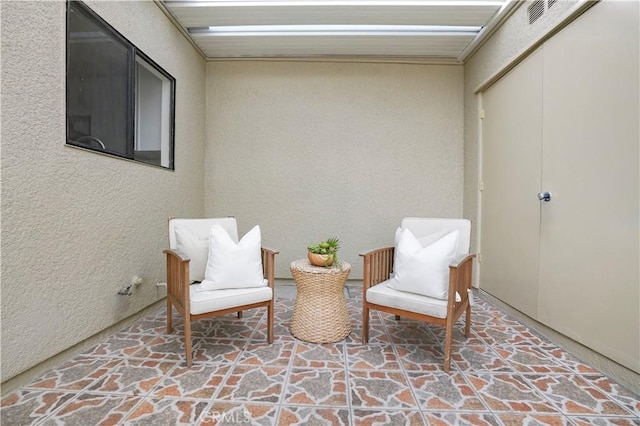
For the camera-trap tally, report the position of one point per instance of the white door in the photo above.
(511, 153)
(589, 254)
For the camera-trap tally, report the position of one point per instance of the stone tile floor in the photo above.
(503, 375)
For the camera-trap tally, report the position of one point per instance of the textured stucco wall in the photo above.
(76, 226)
(311, 150)
(504, 45)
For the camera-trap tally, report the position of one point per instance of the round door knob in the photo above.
(544, 196)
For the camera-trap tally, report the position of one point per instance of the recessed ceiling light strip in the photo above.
(319, 30)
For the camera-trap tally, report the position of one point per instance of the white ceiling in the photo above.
(444, 30)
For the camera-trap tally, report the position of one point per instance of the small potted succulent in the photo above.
(324, 253)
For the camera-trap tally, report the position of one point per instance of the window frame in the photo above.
(134, 55)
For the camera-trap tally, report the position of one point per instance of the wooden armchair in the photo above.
(187, 240)
(378, 270)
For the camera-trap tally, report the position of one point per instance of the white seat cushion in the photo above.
(214, 300)
(382, 294)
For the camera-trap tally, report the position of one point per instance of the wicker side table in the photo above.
(320, 314)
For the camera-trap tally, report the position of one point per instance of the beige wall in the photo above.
(76, 226)
(311, 150)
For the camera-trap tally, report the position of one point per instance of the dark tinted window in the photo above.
(118, 101)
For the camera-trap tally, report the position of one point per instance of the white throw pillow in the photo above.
(424, 270)
(196, 248)
(232, 265)
(425, 240)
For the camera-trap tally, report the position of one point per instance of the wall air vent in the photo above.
(536, 10)
(551, 3)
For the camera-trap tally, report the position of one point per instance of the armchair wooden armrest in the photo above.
(268, 264)
(181, 256)
(460, 271)
(378, 265)
(457, 263)
(177, 269)
(460, 274)
(177, 283)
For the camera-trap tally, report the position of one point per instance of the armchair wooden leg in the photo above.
(187, 339)
(169, 316)
(239, 314)
(467, 322)
(447, 345)
(270, 309)
(365, 324)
